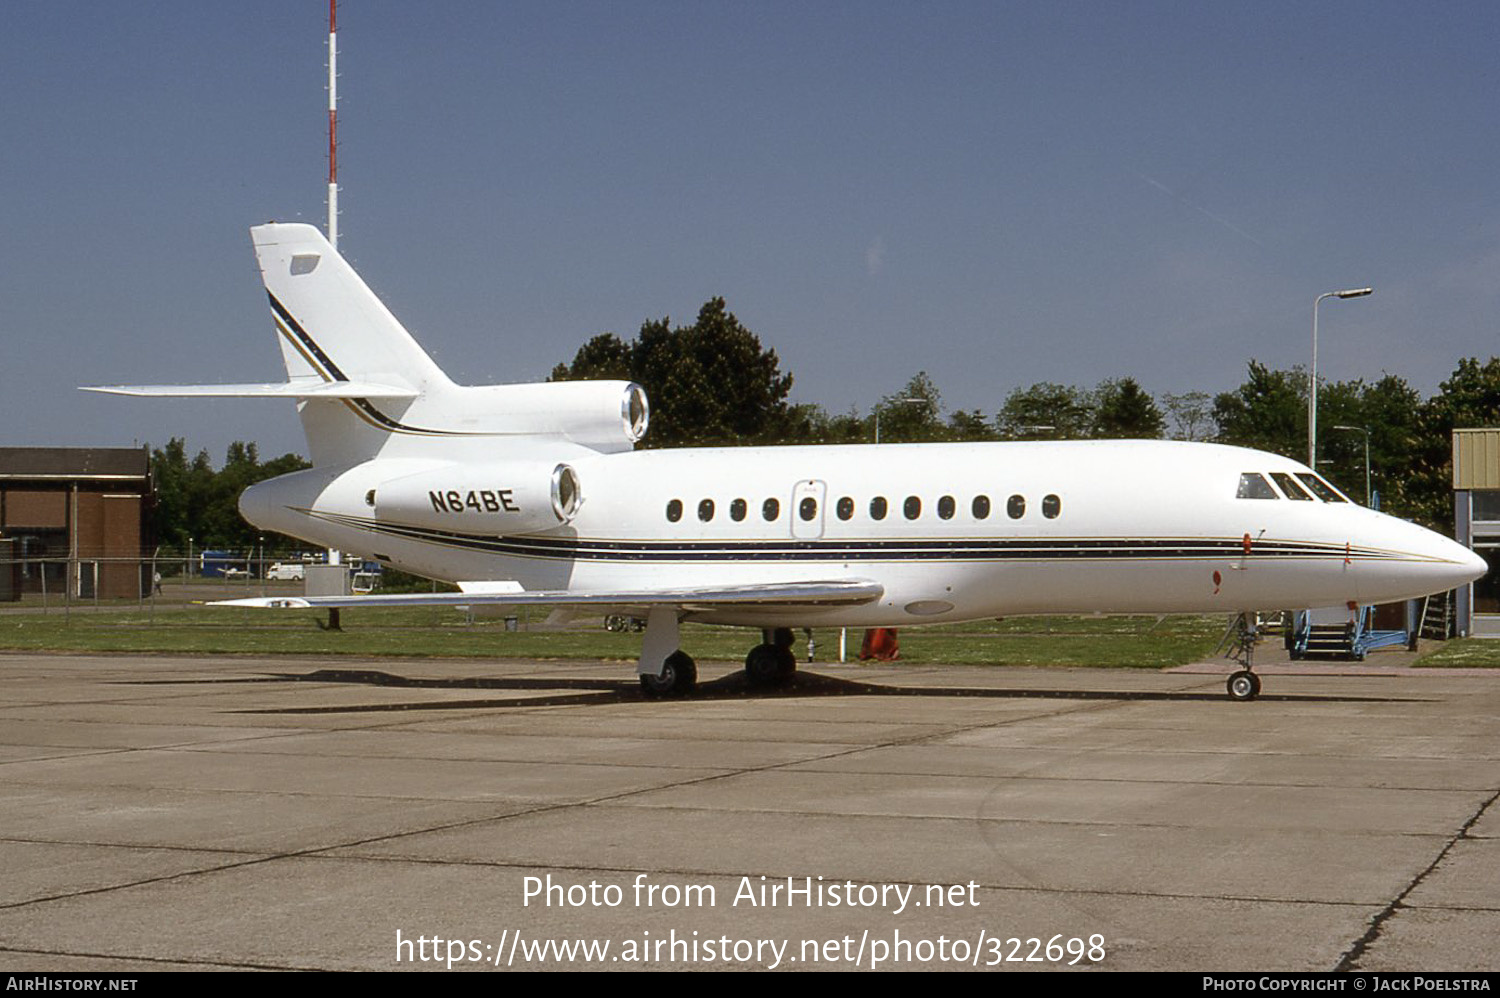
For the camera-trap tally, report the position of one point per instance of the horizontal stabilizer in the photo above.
(308, 389)
(800, 594)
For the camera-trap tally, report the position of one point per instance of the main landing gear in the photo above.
(678, 676)
(667, 671)
(772, 662)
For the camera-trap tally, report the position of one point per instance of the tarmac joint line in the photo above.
(1350, 960)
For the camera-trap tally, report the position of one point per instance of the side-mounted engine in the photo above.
(512, 497)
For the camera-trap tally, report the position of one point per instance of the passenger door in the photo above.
(807, 508)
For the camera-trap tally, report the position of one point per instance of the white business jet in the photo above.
(533, 494)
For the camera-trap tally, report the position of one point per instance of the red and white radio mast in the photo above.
(335, 557)
(333, 124)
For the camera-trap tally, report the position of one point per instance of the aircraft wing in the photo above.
(309, 389)
(787, 594)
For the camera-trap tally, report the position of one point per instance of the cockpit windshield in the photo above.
(1290, 487)
(1320, 488)
(1254, 486)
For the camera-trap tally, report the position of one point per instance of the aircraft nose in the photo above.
(1426, 563)
(1474, 567)
(1457, 564)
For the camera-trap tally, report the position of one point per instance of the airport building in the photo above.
(1476, 521)
(74, 519)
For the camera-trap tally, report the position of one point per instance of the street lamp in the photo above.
(903, 400)
(1312, 377)
(1366, 432)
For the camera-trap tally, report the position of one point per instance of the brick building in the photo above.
(76, 518)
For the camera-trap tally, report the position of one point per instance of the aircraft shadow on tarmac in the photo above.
(581, 692)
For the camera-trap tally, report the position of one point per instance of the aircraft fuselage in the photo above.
(951, 531)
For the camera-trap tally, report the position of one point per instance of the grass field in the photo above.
(173, 626)
(1464, 653)
(1137, 642)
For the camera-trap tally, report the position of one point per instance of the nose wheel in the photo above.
(1243, 685)
(1240, 640)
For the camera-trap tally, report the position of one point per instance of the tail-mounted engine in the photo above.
(607, 416)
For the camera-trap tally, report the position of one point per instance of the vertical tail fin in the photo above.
(332, 328)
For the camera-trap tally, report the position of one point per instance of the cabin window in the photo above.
(980, 507)
(845, 508)
(1290, 487)
(737, 510)
(1253, 486)
(770, 509)
(1320, 488)
(946, 506)
(1051, 506)
(1015, 507)
(912, 508)
(706, 510)
(807, 508)
(674, 510)
(877, 508)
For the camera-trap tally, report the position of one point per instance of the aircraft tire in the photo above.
(679, 677)
(1243, 685)
(787, 665)
(766, 665)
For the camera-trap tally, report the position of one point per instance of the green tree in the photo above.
(1470, 398)
(195, 501)
(1123, 410)
(1046, 410)
(1191, 414)
(970, 426)
(911, 414)
(181, 488)
(809, 423)
(1268, 412)
(604, 358)
(1390, 411)
(709, 383)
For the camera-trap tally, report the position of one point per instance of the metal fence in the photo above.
(67, 581)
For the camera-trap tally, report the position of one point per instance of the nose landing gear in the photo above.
(1241, 638)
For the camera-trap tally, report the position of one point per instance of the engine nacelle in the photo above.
(602, 415)
(492, 499)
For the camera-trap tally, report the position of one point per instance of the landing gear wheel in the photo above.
(770, 665)
(788, 663)
(1243, 685)
(679, 676)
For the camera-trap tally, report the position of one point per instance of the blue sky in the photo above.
(996, 193)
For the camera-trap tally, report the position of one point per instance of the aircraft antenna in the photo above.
(333, 125)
